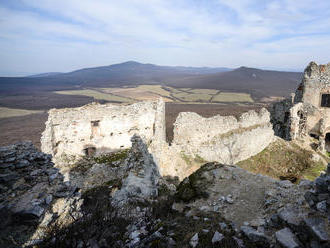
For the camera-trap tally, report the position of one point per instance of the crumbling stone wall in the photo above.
(223, 138)
(308, 112)
(96, 128)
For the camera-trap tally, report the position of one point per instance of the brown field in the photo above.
(96, 94)
(128, 94)
(140, 93)
(30, 127)
(22, 128)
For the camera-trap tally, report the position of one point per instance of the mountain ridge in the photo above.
(258, 82)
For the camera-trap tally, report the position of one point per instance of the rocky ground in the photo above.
(120, 200)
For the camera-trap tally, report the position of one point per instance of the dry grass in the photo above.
(283, 159)
(10, 112)
(153, 92)
(140, 93)
(96, 95)
(204, 91)
(232, 97)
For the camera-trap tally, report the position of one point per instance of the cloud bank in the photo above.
(63, 35)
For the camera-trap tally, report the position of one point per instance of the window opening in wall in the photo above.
(325, 101)
(95, 128)
(90, 151)
(95, 123)
(327, 142)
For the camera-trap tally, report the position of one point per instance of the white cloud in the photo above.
(64, 35)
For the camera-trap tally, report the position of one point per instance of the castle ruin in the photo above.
(95, 129)
(308, 110)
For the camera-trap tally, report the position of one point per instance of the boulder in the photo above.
(287, 239)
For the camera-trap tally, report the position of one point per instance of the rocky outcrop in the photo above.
(142, 175)
(269, 213)
(217, 205)
(33, 195)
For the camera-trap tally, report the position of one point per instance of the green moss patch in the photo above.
(113, 159)
(109, 158)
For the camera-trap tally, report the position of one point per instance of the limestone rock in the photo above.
(217, 237)
(287, 239)
(142, 175)
(194, 240)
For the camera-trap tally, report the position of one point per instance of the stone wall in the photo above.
(223, 138)
(96, 128)
(305, 114)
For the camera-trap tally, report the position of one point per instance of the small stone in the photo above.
(53, 176)
(229, 199)
(6, 165)
(48, 199)
(317, 227)
(223, 226)
(178, 207)
(322, 206)
(36, 211)
(171, 242)
(290, 217)
(321, 185)
(322, 197)
(217, 237)
(254, 235)
(285, 184)
(36, 172)
(135, 234)
(286, 238)
(10, 160)
(22, 164)
(305, 184)
(194, 240)
(239, 242)
(311, 198)
(46, 220)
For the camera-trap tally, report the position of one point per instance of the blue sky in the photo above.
(63, 35)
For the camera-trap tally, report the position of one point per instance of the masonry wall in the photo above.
(316, 82)
(102, 128)
(223, 138)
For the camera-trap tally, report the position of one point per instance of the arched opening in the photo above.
(327, 142)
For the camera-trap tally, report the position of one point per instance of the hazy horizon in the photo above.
(62, 36)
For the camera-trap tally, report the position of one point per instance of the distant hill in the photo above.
(47, 74)
(258, 82)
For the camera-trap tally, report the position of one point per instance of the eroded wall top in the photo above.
(316, 81)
